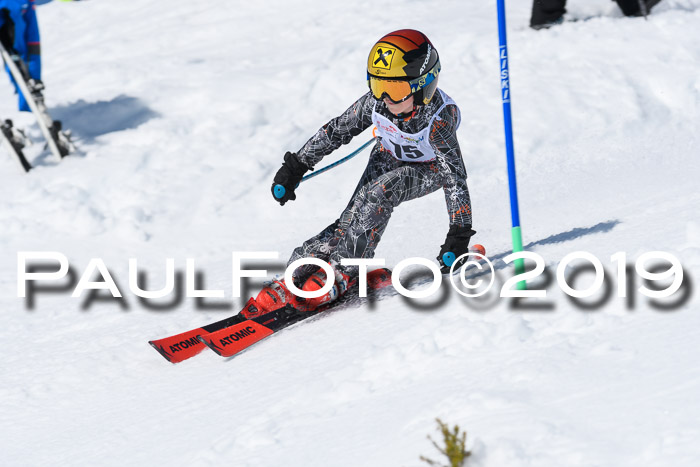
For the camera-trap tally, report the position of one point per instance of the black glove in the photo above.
(457, 242)
(288, 176)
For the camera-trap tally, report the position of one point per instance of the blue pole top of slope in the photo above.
(507, 119)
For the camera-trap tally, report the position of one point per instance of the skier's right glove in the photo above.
(288, 178)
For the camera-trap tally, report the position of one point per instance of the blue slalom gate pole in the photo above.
(516, 232)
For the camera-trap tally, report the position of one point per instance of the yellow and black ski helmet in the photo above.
(401, 64)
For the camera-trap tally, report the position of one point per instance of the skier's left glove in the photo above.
(456, 242)
(288, 178)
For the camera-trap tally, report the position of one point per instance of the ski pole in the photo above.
(516, 233)
(280, 190)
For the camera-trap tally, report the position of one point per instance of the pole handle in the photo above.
(279, 191)
(448, 259)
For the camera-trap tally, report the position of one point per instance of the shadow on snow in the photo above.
(89, 120)
(573, 234)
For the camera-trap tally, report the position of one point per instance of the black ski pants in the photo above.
(385, 184)
(546, 11)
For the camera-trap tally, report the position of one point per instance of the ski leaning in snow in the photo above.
(59, 142)
(14, 141)
(236, 333)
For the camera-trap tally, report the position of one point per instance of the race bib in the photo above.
(408, 147)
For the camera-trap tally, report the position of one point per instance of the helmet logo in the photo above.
(381, 55)
(427, 58)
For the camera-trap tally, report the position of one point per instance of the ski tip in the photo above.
(161, 351)
(209, 344)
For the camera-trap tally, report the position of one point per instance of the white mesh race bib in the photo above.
(409, 147)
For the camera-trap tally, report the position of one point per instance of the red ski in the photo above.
(236, 333)
(185, 345)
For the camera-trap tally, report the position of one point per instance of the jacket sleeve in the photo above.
(33, 41)
(443, 138)
(338, 131)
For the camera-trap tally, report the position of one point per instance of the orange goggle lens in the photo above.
(396, 90)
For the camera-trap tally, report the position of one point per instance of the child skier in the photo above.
(416, 154)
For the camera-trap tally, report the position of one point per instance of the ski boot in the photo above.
(273, 296)
(316, 282)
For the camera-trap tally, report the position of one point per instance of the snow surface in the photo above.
(182, 111)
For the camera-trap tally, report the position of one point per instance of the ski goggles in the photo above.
(398, 90)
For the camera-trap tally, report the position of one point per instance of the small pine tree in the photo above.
(455, 446)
